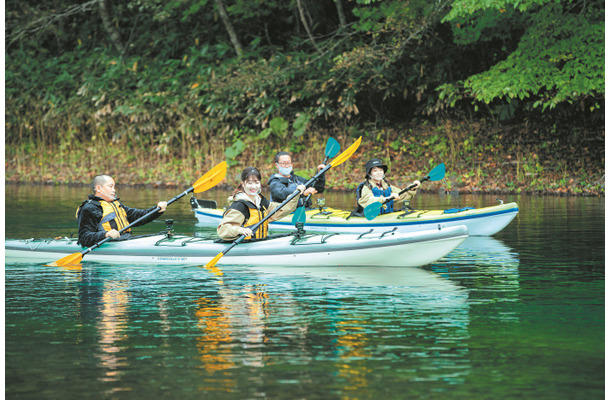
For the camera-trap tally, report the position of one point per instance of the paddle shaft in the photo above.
(282, 204)
(98, 244)
(410, 187)
(309, 195)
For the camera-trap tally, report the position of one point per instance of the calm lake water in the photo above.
(516, 316)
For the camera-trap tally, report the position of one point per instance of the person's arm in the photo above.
(367, 197)
(135, 213)
(287, 208)
(230, 226)
(88, 226)
(406, 196)
(279, 191)
(321, 182)
(316, 188)
(309, 191)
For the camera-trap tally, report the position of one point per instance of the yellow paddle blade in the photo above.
(341, 158)
(214, 260)
(212, 178)
(71, 260)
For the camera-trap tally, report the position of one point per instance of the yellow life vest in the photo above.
(255, 216)
(113, 216)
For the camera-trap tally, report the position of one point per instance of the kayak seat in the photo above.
(197, 203)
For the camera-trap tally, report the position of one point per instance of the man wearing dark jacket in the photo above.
(285, 181)
(103, 215)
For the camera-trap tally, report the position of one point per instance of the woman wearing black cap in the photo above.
(248, 206)
(377, 188)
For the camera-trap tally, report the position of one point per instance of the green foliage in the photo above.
(234, 150)
(301, 123)
(558, 59)
(278, 126)
(387, 15)
(485, 25)
(178, 88)
(465, 8)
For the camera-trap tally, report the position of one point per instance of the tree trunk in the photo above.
(342, 20)
(229, 27)
(306, 25)
(115, 37)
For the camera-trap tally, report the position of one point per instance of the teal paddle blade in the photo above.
(372, 210)
(332, 148)
(299, 216)
(437, 173)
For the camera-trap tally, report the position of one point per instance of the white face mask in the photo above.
(377, 175)
(284, 170)
(252, 188)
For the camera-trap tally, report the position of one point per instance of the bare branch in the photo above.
(43, 23)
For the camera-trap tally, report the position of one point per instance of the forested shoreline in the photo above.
(509, 95)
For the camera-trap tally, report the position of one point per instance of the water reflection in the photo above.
(112, 328)
(489, 269)
(353, 344)
(486, 252)
(214, 342)
(164, 322)
(280, 325)
(339, 315)
(267, 323)
(255, 317)
(232, 326)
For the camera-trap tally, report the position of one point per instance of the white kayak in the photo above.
(390, 248)
(484, 221)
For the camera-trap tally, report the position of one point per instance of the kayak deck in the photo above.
(484, 221)
(390, 248)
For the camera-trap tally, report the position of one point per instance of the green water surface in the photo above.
(516, 316)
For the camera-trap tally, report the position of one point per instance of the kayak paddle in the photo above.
(299, 216)
(332, 148)
(212, 178)
(372, 210)
(337, 161)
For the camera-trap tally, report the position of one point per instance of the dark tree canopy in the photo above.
(243, 64)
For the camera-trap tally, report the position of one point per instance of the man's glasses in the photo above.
(285, 164)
